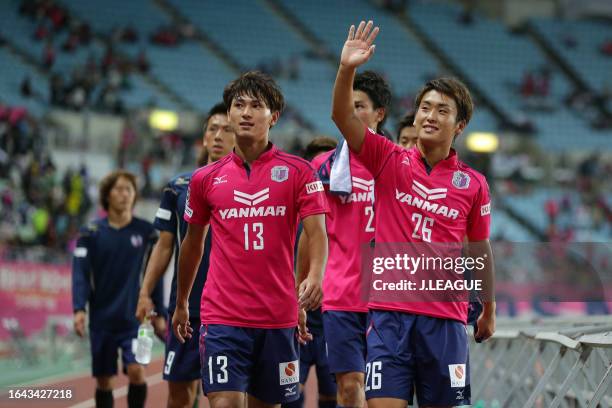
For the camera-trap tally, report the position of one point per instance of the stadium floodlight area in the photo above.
(556, 362)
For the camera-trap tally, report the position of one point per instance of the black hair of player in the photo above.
(377, 89)
(453, 88)
(318, 145)
(255, 84)
(407, 121)
(219, 109)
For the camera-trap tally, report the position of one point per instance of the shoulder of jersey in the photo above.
(323, 157)
(142, 223)
(209, 169)
(293, 160)
(181, 179)
(475, 174)
(91, 228)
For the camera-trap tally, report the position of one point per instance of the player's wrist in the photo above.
(144, 294)
(488, 309)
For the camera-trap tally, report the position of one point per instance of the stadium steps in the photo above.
(522, 220)
(201, 37)
(302, 29)
(148, 77)
(574, 76)
(445, 61)
(24, 56)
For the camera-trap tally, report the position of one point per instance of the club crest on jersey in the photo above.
(136, 240)
(461, 180)
(280, 173)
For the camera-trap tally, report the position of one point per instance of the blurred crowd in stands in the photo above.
(38, 205)
(98, 83)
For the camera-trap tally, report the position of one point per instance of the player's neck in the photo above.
(250, 150)
(433, 154)
(119, 219)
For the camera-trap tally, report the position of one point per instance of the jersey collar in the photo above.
(450, 162)
(267, 155)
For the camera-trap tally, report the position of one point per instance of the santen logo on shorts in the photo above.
(289, 372)
(457, 374)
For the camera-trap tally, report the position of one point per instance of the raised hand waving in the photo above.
(359, 46)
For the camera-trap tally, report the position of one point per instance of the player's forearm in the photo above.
(488, 308)
(158, 263)
(317, 251)
(486, 275)
(343, 112)
(302, 262)
(80, 289)
(190, 254)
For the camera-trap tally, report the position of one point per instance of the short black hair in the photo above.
(258, 85)
(407, 121)
(454, 88)
(377, 89)
(319, 145)
(219, 109)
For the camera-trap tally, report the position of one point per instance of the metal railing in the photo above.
(557, 362)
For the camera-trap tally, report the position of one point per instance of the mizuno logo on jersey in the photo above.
(428, 193)
(433, 208)
(252, 199)
(220, 179)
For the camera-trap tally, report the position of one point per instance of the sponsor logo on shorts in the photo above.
(460, 394)
(289, 372)
(314, 187)
(289, 391)
(457, 374)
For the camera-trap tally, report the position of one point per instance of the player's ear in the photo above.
(274, 118)
(459, 127)
(380, 114)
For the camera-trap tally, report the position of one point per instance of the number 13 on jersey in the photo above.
(253, 236)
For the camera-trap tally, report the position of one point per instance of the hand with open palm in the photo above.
(358, 47)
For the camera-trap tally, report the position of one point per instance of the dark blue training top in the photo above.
(107, 272)
(169, 218)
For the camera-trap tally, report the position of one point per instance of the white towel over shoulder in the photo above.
(340, 175)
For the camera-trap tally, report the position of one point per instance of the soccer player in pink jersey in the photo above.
(426, 195)
(252, 199)
(350, 224)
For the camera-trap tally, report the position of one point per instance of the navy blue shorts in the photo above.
(262, 362)
(104, 350)
(345, 333)
(182, 359)
(314, 353)
(409, 352)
